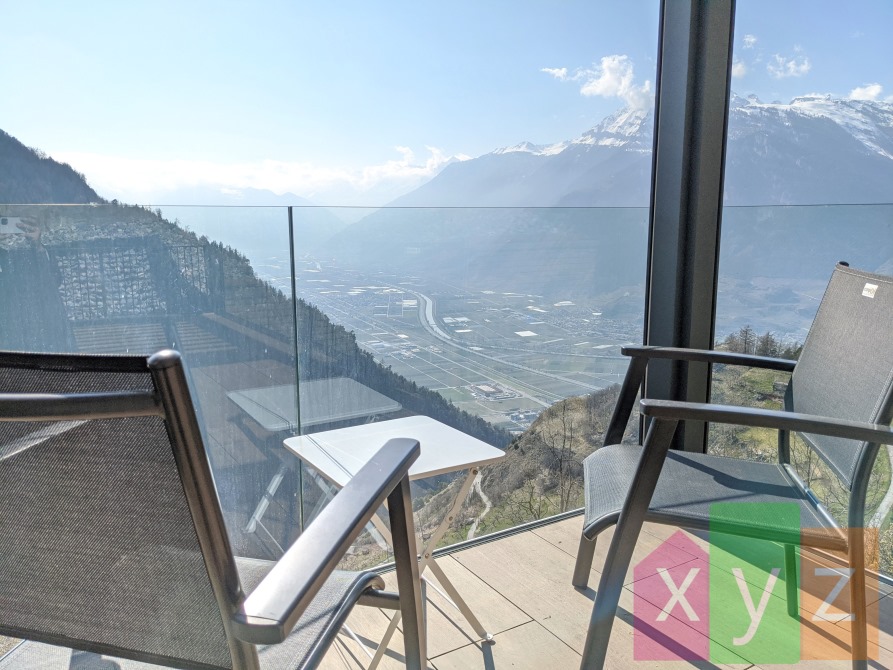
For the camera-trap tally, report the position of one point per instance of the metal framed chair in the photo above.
(114, 543)
(840, 401)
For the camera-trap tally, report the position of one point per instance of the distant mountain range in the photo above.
(204, 195)
(570, 219)
(815, 150)
(251, 219)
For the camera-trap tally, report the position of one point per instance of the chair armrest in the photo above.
(768, 418)
(709, 356)
(274, 607)
(641, 355)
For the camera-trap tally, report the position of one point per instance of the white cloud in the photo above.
(867, 92)
(134, 178)
(559, 73)
(404, 168)
(739, 69)
(781, 67)
(612, 77)
(750, 41)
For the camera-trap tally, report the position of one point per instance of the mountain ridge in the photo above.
(28, 176)
(817, 149)
(570, 220)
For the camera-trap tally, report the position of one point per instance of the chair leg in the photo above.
(585, 554)
(620, 553)
(791, 581)
(607, 598)
(858, 601)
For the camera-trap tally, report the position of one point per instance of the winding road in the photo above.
(487, 506)
(429, 323)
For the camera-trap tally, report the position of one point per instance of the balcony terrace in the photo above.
(520, 586)
(537, 619)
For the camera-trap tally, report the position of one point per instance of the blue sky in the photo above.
(337, 100)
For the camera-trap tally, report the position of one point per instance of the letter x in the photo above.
(677, 594)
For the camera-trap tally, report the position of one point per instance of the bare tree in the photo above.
(562, 463)
(525, 503)
(767, 345)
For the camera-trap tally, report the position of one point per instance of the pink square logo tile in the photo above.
(671, 602)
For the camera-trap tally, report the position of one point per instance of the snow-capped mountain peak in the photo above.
(523, 147)
(530, 148)
(629, 128)
(868, 122)
(815, 149)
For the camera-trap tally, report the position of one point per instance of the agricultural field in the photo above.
(455, 340)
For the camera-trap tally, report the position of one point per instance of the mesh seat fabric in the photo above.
(316, 627)
(319, 623)
(708, 479)
(99, 543)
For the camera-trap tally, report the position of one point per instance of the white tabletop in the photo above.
(322, 401)
(339, 454)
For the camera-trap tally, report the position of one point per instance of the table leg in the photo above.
(459, 601)
(267, 497)
(383, 645)
(428, 561)
(428, 557)
(428, 550)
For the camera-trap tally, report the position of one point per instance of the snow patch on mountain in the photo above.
(524, 147)
(630, 128)
(534, 149)
(814, 149)
(870, 123)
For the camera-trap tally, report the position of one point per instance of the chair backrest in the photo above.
(103, 521)
(845, 370)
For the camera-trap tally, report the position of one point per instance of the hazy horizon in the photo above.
(356, 104)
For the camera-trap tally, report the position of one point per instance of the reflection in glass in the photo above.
(482, 319)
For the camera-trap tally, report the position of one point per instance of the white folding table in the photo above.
(338, 454)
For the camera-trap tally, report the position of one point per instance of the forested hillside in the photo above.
(30, 176)
(325, 350)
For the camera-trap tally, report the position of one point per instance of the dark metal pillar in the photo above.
(691, 116)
